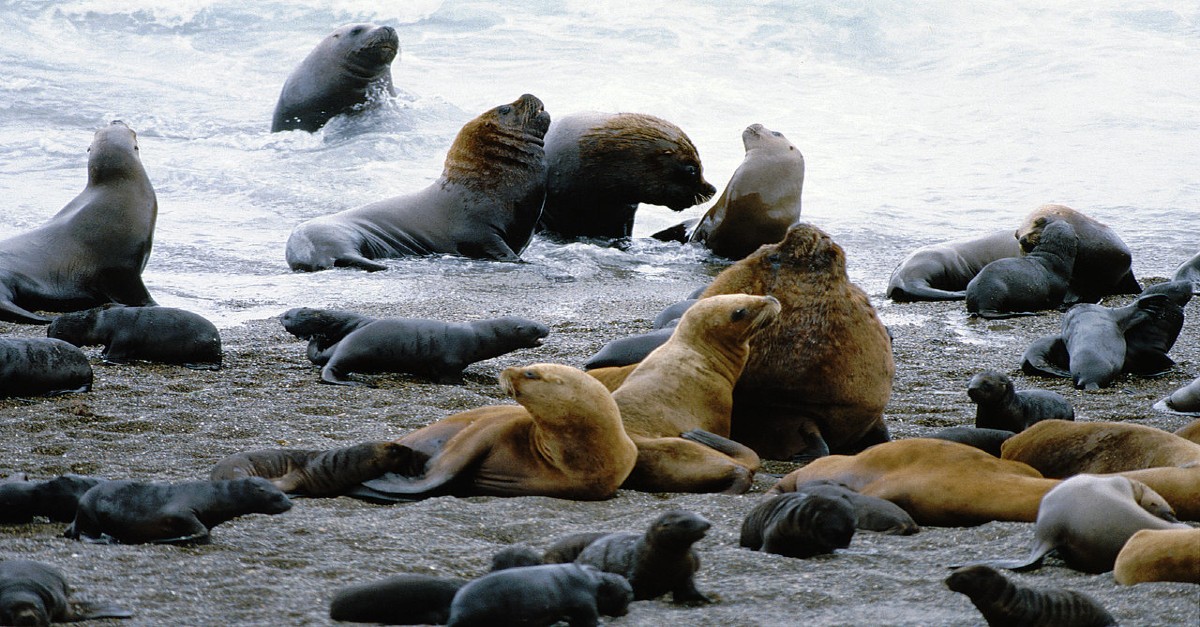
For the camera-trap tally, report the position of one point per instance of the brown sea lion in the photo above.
(540, 595)
(92, 251)
(656, 562)
(942, 271)
(1003, 602)
(316, 473)
(1021, 286)
(565, 440)
(1191, 431)
(938, 482)
(600, 166)
(1159, 555)
(817, 381)
(33, 593)
(799, 524)
(483, 206)
(1060, 449)
(1102, 262)
(158, 334)
(999, 405)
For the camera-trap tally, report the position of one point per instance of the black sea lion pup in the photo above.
(483, 206)
(92, 251)
(1023, 285)
(56, 499)
(1102, 260)
(536, 596)
(158, 334)
(999, 405)
(988, 440)
(1003, 602)
(1189, 271)
(601, 165)
(872, 513)
(42, 367)
(409, 599)
(317, 473)
(799, 524)
(656, 562)
(343, 72)
(322, 328)
(1148, 342)
(32, 593)
(942, 271)
(516, 556)
(132, 512)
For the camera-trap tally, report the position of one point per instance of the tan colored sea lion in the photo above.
(565, 440)
(1159, 555)
(818, 380)
(1102, 261)
(1179, 486)
(1061, 448)
(1190, 431)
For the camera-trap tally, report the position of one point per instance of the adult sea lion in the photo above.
(1159, 555)
(656, 562)
(352, 65)
(158, 334)
(564, 441)
(541, 595)
(42, 367)
(1189, 271)
(942, 271)
(1148, 342)
(483, 206)
(1060, 449)
(1023, 285)
(316, 473)
(816, 381)
(600, 166)
(92, 251)
(56, 499)
(799, 524)
(998, 404)
(1102, 261)
(33, 593)
(1003, 602)
(1190, 431)
(133, 512)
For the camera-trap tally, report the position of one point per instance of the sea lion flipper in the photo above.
(332, 376)
(1047, 356)
(736, 450)
(358, 261)
(391, 483)
(677, 233)
(87, 610)
(10, 311)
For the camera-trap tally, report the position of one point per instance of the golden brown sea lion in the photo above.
(1102, 262)
(1159, 555)
(1190, 431)
(1061, 448)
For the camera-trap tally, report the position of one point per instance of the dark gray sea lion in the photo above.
(32, 593)
(483, 206)
(1189, 271)
(1094, 338)
(344, 72)
(1185, 400)
(632, 349)
(322, 328)
(941, 271)
(536, 596)
(92, 251)
(1023, 285)
(409, 599)
(42, 367)
(799, 524)
(656, 562)
(56, 499)
(1148, 342)
(1047, 357)
(600, 166)
(999, 405)
(671, 314)
(872, 513)
(133, 512)
(988, 440)
(1102, 261)
(568, 548)
(316, 473)
(516, 556)
(158, 334)
(1003, 602)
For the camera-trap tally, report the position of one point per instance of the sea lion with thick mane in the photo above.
(483, 206)
(1021, 286)
(158, 334)
(57, 499)
(816, 381)
(42, 366)
(1003, 602)
(1102, 260)
(33, 593)
(600, 166)
(942, 271)
(1159, 555)
(1060, 449)
(799, 524)
(565, 440)
(316, 473)
(999, 405)
(541, 595)
(92, 251)
(1189, 271)
(348, 68)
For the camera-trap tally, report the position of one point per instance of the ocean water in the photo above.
(919, 122)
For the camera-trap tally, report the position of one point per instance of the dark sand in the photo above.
(169, 423)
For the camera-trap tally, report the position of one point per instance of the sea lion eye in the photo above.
(505, 110)
(531, 374)
(356, 30)
(777, 133)
(739, 314)
(774, 258)
(691, 170)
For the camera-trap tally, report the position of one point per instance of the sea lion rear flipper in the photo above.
(85, 610)
(358, 261)
(739, 452)
(1047, 356)
(912, 292)
(677, 233)
(1033, 562)
(11, 312)
(390, 485)
(363, 493)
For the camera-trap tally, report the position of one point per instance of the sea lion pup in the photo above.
(159, 334)
(1088, 518)
(316, 473)
(1021, 286)
(799, 524)
(988, 440)
(600, 166)
(133, 512)
(941, 271)
(937, 482)
(322, 328)
(56, 499)
(1148, 342)
(92, 251)
(42, 366)
(346, 70)
(656, 562)
(1094, 338)
(1102, 260)
(634, 348)
(540, 595)
(872, 513)
(565, 441)
(1003, 602)
(998, 404)
(483, 206)
(1060, 449)
(1159, 555)
(33, 593)
(818, 379)
(1189, 271)
(676, 403)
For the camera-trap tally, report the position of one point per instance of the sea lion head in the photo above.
(77, 327)
(113, 153)
(1152, 501)
(668, 169)
(554, 385)
(259, 495)
(366, 48)
(1030, 230)
(989, 386)
(806, 248)
(976, 580)
(759, 137)
(503, 147)
(731, 317)
(23, 607)
(523, 332)
(677, 528)
(829, 522)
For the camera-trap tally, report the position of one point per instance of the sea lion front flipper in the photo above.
(1047, 356)
(677, 233)
(125, 286)
(331, 375)
(87, 610)
(681, 465)
(10, 311)
(445, 465)
(815, 446)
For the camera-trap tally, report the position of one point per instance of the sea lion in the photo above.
(1003, 602)
(483, 206)
(1102, 261)
(347, 69)
(1060, 449)
(42, 367)
(988, 440)
(942, 271)
(322, 328)
(567, 548)
(1159, 555)
(998, 404)
(92, 251)
(1180, 486)
(516, 556)
(656, 562)
(671, 314)
(799, 524)
(1148, 342)
(316, 473)
(56, 499)
(872, 513)
(409, 599)
(159, 334)
(601, 165)
(1088, 518)
(1190, 431)
(1189, 271)
(1094, 338)
(564, 441)
(541, 595)
(1047, 357)
(937, 482)
(33, 593)
(1023, 285)
(133, 512)
(818, 379)
(634, 348)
